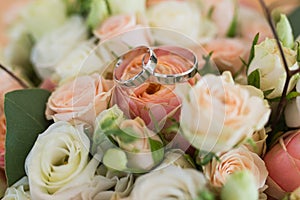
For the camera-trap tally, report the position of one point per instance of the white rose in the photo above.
(217, 114)
(268, 61)
(43, 16)
(18, 191)
(56, 45)
(236, 160)
(292, 111)
(171, 182)
(127, 6)
(181, 16)
(81, 61)
(58, 164)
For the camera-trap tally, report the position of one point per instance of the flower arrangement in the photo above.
(228, 129)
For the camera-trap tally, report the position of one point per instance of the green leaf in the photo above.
(252, 51)
(205, 194)
(254, 79)
(234, 23)
(294, 20)
(292, 95)
(208, 157)
(157, 149)
(25, 120)
(267, 92)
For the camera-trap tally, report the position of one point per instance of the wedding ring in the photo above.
(183, 56)
(135, 67)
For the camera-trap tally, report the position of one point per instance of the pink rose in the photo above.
(283, 163)
(80, 100)
(227, 53)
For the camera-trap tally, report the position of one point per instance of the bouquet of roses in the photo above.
(150, 99)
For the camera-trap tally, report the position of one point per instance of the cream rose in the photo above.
(227, 53)
(181, 16)
(59, 162)
(171, 182)
(43, 16)
(81, 61)
(18, 191)
(236, 160)
(80, 100)
(268, 61)
(127, 6)
(217, 114)
(55, 45)
(292, 110)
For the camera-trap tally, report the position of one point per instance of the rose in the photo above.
(236, 160)
(58, 164)
(140, 148)
(55, 45)
(127, 6)
(80, 61)
(221, 17)
(18, 191)
(217, 114)
(240, 185)
(80, 100)
(42, 17)
(283, 164)
(272, 73)
(251, 22)
(169, 182)
(116, 25)
(153, 2)
(292, 110)
(227, 53)
(181, 16)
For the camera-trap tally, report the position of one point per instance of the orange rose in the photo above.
(80, 100)
(283, 164)
(227, 53)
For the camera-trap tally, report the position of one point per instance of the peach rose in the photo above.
(80, 100)
(236, 160)
(217, 114)
(252, 22)
(283, 164)
(152, 100)
(227, 53)
(259, 139)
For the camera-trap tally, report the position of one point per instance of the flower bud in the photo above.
(285, 32)
(240, 185)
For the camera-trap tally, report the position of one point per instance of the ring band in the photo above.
(150, 61)
(147, 69)
(183, 53)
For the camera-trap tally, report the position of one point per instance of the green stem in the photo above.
(22, 83)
